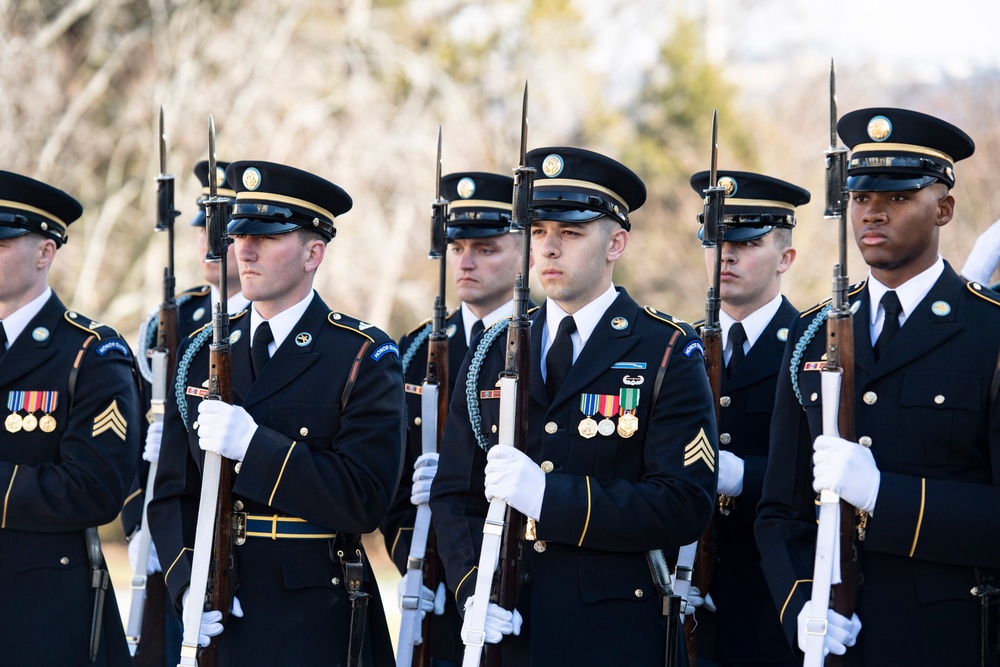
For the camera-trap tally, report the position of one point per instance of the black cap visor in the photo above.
(889, 182)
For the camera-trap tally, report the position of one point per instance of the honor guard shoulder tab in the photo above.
(664, 317)
(984, 293)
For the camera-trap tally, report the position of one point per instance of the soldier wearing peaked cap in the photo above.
(70, 443)
(315, 428)
(607, 475)
(485, 258)
(925, 468)
(194, 310)
(742, 627)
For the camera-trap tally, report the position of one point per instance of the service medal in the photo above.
(628, 424)
(607, 405)
(13, 422)
(29, 423)
(588, 405)
(47, 423)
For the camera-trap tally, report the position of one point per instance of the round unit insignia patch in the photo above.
(452, 328)
(940, 308)
(619, 323)
(198, 314)
(783, 334)
(553, 165)
(251, 179)
(466, 188)
(879, 128)
(728, 184)
(303, 339)
(40, 334)
(235, 336)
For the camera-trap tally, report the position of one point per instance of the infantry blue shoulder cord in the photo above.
(802, 343)
(147, 339)
(472, 380)
(414, 347)
(180, 386)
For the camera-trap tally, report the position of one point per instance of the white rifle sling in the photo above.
(410, 626)
(826, 568)
(203, 538)
(158, 362)
(474, 629)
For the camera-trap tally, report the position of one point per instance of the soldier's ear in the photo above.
(46, 252)
(945, 210)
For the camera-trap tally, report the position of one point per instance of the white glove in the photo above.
(211, 621)
(225, 429)
(424, 469)
(847, 469)
(730, 474)
(429, 600)
(499, 622)
(514, 478)
(154, 434)
(840, 632)
(152, 563)
(985, 255)
(695, 600)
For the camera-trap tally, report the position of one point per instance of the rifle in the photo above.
(212, 561)
(499, 576)
(423, 561)
(695, 562)
(836, 571)
(151, 591)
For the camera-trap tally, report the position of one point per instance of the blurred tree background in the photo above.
(354, 90)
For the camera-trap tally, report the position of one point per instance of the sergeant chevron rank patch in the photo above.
(699, 449)
(110, 420)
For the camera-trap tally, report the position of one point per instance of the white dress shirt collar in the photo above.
(16, 322)
(282, 323)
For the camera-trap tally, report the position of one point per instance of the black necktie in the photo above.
(560, 357)
(3, 340)
(477, 326)
(892, 308)
(737, 336)
(258, 351)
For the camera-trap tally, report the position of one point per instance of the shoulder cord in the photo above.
(802, 343)
(472, 380)
(414, 347)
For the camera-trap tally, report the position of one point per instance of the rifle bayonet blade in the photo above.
(163, 145)
(212, 188)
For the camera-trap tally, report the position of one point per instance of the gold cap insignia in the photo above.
(728, 184)
(879, 128)
(466, 188)
(552, 165)
(220, 176)
(251, 179)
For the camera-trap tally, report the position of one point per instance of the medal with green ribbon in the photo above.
(588, 406)
(628, 423)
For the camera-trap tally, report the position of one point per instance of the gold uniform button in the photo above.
(725, 401)
(547, 466)
(416, 421)
(238, 467)
(813, 397)
(335, 581)
(870, 398)
(939, 399)
(494, 429)
(639, 593)
(865, 441)
(303, 431)
(195, 426)
(725, 438)
(64, 561)
(551, 428)
(540, 546)
(238, 505)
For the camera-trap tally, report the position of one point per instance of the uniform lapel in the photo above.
(293, 357)
(605, 346)
(924, 330)
(763, 358)
(28, 354)
(242, 377)
(536, 385)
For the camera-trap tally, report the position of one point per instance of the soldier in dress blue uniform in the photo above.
(70, 444)
(315, 429)
(607, 477)
(754, 317)
(484, 260)
(926, 470)
(194, 310)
